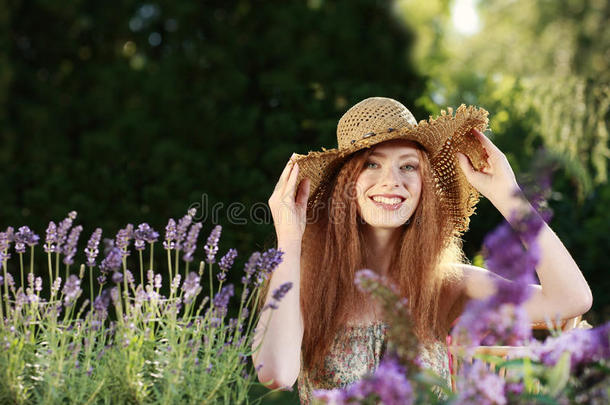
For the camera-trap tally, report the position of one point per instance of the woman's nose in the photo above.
(390, 177)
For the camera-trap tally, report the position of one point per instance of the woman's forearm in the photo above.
(279, 332)
(562, 282)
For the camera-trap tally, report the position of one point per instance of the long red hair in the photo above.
(333, 251)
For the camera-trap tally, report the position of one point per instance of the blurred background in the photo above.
(133, 111)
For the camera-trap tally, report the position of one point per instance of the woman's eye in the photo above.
(409, 167)
(370, 165)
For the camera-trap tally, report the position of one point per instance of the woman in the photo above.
(394, 197)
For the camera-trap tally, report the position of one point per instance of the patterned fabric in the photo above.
(357, 351)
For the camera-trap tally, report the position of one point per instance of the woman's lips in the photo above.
(390, 207)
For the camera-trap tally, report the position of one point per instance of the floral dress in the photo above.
(357, 351)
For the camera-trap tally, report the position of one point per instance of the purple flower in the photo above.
(388, 384)
(278, 294)
(92, 247)
(211, 247)
(123, 237)
(191, 287)
(191, 242)
(267, 263)
(71, 290)
(170, 235)
(112, 261)
(117, 277)
(38, 284)
(101, 302)
(183, 224)
(4, 245)
(144, 233)
(584, 346)
(487, 322)
(51, 238)
(24, 236)
(221, 300)
(70, 246)
(158, 281)
(250, 267)
(62, 230)
(480, 386)
(225, 264)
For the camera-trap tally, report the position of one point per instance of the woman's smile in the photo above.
(387, 202)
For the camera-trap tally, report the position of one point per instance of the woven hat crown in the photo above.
(370, 116)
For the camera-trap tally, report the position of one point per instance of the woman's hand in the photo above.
(288, 204)
(497, 183)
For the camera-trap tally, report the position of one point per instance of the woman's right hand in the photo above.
(288, 204)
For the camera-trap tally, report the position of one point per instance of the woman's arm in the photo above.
(563, 291)
(279, 333)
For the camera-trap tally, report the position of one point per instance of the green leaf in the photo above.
(558, 375)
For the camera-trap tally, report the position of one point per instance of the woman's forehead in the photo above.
(396, 146)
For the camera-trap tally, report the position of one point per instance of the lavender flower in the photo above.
(211, 247)
(584, 346)
(38, 284)
(221, 300)
(226, 262)
(175, 282)
(250, 267)
(51, 238)
(24, 236)
(4, 245)
(278, 294)
(183, 224)
(112, 261)
(191, 287)
(158, 281)
(62, 230)
(71, 290)
(389, 385)
(480, 386)
(117, 277)
(191, 242)
(123, 237)
(144, 233)
(92, 247)
(267, 264)
(170, 235)
(70, 246)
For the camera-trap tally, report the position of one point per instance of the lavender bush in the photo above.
(126, 342)
(572, 367)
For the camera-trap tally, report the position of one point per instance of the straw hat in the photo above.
(378, 119)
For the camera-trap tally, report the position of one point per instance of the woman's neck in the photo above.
(379, 246)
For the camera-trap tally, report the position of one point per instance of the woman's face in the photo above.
(389, 186)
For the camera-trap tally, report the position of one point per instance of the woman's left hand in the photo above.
(497, 182)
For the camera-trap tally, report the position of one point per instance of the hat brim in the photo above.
(442, 137)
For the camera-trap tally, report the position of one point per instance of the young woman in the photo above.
(394, 197)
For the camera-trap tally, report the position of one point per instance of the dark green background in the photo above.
(97, 117)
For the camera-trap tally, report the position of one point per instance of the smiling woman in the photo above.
(394, 197)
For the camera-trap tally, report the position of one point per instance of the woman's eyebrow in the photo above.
(408, 154)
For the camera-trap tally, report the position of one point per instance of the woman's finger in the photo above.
(303, 192)
(485, 141)
(291, 183)
(285, 174)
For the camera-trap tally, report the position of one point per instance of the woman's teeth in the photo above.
(385, 200)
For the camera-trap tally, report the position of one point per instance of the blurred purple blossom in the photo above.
(388, 384)
(123, 237)
(170, 235)
(278, 294)
(70, 246)
(144, 233)
(117, 277)
(191, 287)
(112, 261)
(211, 247)
(226, 262)
(71, 290)
(480, 385)
(62, 230)
(221, 300)
(51, 238)
(4, 245)
(250, 267)
(584, 346)
(267, 263)
(24, 236)
(91, 251)
(191, 242)
(181, 228)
